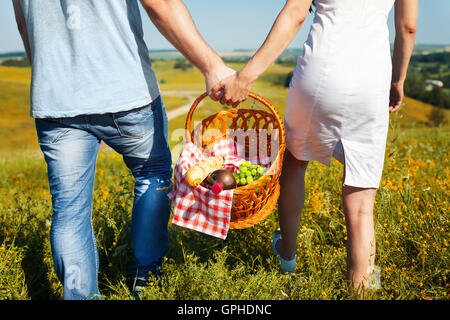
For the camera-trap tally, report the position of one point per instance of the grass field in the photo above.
(411, 214)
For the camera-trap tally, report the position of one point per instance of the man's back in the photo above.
(88, 57)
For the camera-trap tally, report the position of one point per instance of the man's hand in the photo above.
(396, 96)
(214, 79)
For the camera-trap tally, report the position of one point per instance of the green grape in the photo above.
(261, 169)
(243, 169)
(249, 179)
(254, 172)
(242, 175)
(243, 181)
(238, 181)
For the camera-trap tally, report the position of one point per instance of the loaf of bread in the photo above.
(198, 172)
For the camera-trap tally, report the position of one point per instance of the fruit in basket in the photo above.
(223, 177)
(248, 173)
(217, 188)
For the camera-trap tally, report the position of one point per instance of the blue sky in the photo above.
(236, 24)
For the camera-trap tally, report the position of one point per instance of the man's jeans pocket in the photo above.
(50, 131)
(136, 123)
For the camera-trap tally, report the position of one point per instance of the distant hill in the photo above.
(430, 48)
(15, 54)
(415, 112)
(21, 61)
(289, 54)
(165, 55)
(234, 55)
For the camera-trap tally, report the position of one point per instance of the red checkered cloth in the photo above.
(199, 208)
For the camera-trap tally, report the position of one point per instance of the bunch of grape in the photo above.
(248, 172)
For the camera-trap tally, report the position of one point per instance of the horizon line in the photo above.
(236, 49)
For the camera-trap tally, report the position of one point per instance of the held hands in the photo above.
(232, 90)
(396, 96)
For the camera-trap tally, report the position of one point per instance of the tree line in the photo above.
(433, 66)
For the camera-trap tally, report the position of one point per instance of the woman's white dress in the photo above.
(338, 101)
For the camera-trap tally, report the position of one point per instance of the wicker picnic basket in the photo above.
(254, 202)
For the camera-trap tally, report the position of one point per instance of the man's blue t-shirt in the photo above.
(88, 57)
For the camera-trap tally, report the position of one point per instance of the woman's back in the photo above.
(348, 45)
(340, 89)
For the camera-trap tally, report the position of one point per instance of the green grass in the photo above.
(411, 230)
(172, 103)
(411, 215)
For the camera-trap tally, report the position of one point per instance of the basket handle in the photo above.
(252, 95)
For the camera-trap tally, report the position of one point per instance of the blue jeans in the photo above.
(70, 147)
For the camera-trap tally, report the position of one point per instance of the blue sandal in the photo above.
(286, 266)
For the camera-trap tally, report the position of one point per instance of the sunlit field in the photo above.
(411, 214)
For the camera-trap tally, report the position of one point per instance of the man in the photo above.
(92, 81)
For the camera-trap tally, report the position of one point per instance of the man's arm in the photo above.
(22, 26)
(173, 20)
(406, 12)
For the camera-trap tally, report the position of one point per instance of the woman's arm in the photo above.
(406, 12)
(22, 26)
(235, 89)
(173, 20)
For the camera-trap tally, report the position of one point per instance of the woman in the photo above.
(342, 91)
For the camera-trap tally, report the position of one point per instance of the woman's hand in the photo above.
(232, 90)
(396, 96)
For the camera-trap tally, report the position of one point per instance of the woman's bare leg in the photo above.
(290, 203)
(358, 209)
